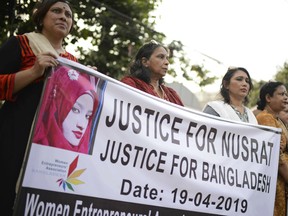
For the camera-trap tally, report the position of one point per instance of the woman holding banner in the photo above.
(66, 112)
(273, 99)
(235, 87)
(148, 70)
(24, 59)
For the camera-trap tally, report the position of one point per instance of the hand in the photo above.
(25, 77)
(44, 60)
(92, 67)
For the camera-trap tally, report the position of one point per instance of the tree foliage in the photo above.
(281, 76)
(254, 94)
(114, 29)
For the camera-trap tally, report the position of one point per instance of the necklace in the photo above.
(243, 117)
(161, 94)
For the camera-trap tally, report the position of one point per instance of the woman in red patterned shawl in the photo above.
(148, 70)
(24, 59)
(66, 111)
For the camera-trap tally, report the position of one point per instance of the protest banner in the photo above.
(142, 155)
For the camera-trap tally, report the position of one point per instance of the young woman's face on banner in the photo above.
(75, 124)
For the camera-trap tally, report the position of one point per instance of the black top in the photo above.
(15, 120)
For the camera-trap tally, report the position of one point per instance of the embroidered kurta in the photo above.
(265, 118)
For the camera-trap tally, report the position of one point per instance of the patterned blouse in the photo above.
(268, 119)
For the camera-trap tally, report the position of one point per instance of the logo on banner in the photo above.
(72, 176)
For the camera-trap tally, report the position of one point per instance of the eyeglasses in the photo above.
(283, 94)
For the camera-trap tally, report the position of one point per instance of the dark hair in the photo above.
(40, 10)
(268, 88)
(137, 69)
(226, 80)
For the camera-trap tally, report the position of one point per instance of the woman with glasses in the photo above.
(24, 60)
(148, 70)
(272, 100)
(235, 88)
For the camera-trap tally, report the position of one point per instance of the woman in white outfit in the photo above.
(235, 88)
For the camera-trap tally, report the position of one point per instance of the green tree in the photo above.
(282, 74)
(254, 94)
(115, 30)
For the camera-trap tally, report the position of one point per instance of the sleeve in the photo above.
(10, 55)
(209, 110)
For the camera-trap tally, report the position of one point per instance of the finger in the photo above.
(53, 62)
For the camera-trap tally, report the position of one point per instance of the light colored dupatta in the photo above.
(226, 111)
(39, 43)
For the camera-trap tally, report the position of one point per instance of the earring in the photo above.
(54, 91)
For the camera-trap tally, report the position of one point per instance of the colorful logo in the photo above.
(71, 176)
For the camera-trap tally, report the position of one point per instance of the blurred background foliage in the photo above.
(114, 30)
(108, 33)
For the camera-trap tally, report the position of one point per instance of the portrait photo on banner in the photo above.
(67, 110)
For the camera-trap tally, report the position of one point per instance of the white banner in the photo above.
(147, 156)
